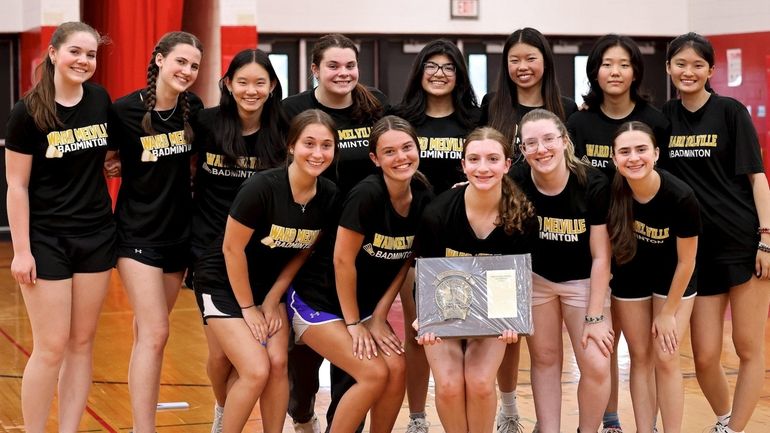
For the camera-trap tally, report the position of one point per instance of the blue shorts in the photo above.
(302, 316)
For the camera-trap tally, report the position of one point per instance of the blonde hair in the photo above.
(574, 165)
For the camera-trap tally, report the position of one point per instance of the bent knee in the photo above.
(254, 375)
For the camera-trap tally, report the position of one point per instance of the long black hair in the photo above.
(503, 107)
(228, 131)
(414, 102)
(595, 95)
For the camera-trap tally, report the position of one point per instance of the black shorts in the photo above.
(59, 257)
(718, 278)
(170, 258)
(218, 305)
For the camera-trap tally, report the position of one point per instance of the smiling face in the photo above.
(634, 154)
(250, 87)
(337, 72)
(313, 152)
(689, 71)
(75, 59)
(616, 74)
(440, 83)
(179, 68)
(485, 163)
(396, 154)
(543, 146)
(525, 65)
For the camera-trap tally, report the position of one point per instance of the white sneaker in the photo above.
(718, 428)
(417, 425)
(312, 426)
(216, 426)
(508, 424)
(615, 430)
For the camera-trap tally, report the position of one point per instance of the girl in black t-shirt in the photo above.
(154, 138)
(354, 108)
(489, 216)
(273, 223)
(61, 222)
(615, 70)
(571, 270)
(440, 103)
(653, 222)
(714, 148)
(242, 136)
(334, 308)
(526, 80)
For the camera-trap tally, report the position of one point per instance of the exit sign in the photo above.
(465, 9)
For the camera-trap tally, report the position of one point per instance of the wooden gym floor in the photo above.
(184, 377)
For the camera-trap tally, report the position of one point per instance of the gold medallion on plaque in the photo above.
(453, 294)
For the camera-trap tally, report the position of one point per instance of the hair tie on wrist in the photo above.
(353, 323)
(246, 308)
(763, 230)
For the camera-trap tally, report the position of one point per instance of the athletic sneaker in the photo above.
(613, 429)
(216, 426)
(312, 426)
(508, 424)
(718, 428)
(417, 425)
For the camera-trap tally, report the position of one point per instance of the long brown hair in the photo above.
(165, 45)
(620, 221)
(574, 165)
(41, 98)
(366, 107)
(514, 208)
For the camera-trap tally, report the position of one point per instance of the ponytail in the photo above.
(620, 222)
(366, 107)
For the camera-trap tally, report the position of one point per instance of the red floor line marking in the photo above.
(90, 411)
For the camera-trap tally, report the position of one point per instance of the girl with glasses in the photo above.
(439, 102)
(571, 271)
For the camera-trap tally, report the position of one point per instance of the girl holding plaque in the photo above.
(489, 215)
(571, 270)
(653, 223)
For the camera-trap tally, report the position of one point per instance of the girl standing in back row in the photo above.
(154, 137)
(61, 223)
(714, 149)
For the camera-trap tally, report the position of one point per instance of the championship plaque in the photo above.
(478, 296)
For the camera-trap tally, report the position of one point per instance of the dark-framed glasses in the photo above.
(432, 68)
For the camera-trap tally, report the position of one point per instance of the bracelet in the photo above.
(762, 230)
(246, 308)
(353, 323)
(591, 320)
(765, 248)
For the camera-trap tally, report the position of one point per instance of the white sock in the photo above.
(508, 404)
(729, 430)
(724, 419)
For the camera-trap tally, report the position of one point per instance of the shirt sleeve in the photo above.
(22, 134)
(748, 158)
(597, 194)
(253, 201)
(360, 206)
(687, 223)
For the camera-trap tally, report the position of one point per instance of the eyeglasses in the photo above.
(431, 68)
(531, 145)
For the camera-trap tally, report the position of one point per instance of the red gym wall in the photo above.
(755, 88)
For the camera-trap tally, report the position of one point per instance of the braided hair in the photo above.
(164, 46)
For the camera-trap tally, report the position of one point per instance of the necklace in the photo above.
(302, 206)
(169, 116)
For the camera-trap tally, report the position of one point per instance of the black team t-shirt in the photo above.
(217, 179)
(713, 150)
(67, 191)
(155, 200)
(446, 232)
(388, 243)
(353, 163)
(563, 252)
(567, 103)
(441, 147)
(672, 213)
(592, 130)
(281, 227)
